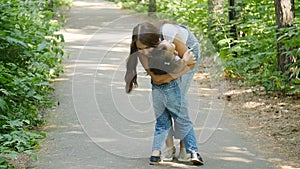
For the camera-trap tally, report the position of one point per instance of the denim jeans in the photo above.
(192, 43)
(185, 80)
(169, 101)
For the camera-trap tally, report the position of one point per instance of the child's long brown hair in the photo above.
(148, 34)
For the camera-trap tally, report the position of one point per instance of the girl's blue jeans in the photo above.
(168, 103)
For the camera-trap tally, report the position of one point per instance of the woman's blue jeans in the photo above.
(169, 101)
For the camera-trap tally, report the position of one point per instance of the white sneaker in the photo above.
(193, 157)
(169, 154)
(196, 159)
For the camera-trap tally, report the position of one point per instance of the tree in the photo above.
(232, 17)
(215, 10)
(152, 8)
(232, 20)
(138, 1)
(285, 14)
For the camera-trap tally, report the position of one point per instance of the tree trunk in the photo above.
(139, 1)
(215, 10)
(152, 8)
(285, 14)
(232, 17)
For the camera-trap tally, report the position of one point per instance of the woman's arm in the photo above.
(166, 78)
(187, 63)
(180, 47)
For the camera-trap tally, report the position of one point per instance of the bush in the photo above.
(31, 54)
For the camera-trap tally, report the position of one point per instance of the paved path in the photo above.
(97, 125)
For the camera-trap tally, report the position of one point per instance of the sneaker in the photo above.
(182, 156)
(193, 157)
(154, 160)
(196, 159)
(169, 154)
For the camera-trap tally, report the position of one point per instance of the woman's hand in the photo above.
(189, 58)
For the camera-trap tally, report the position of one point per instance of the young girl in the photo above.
(164, 59)
(146, 36)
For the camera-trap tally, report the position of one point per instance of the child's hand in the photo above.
(189, 58)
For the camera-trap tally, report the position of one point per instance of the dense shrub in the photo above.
(31, 52)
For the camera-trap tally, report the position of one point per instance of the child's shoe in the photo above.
(182, 157)
(154, 160)
(169, 154)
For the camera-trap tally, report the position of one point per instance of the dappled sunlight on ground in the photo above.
(238, 159)
(288, 167)
(95, 5)
(271, 120)
(238, 150)
(249, 105)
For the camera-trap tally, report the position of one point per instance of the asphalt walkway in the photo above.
(97, 125)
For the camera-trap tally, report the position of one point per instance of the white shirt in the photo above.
(169, 31)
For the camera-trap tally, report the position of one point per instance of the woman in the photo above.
(146, 36)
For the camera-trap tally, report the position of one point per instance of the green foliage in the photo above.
(291, 39)
(4, 164)
(252, 55)
(141, 6)
(15, 139)
(31, 52)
